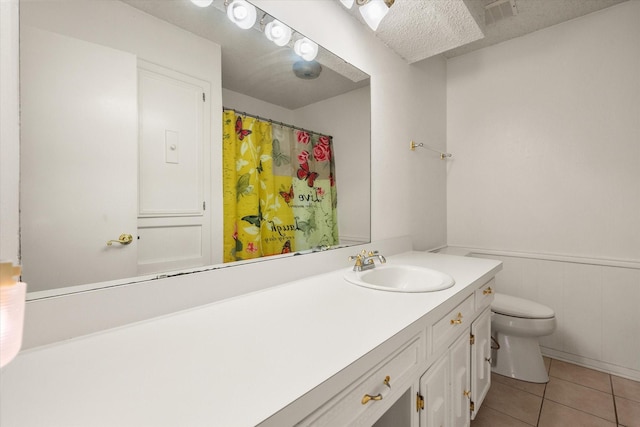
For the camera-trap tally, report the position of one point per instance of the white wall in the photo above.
(9, 131)
(241, 102)
(396, 112)
(545, 130)
(427, 201)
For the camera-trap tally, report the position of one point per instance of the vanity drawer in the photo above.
(484, 295)
(453, 323)
(351, 407)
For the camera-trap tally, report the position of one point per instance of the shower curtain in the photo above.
(279, 192)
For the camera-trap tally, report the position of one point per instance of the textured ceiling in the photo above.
(532, 15)
(414, 29)
(419, 29)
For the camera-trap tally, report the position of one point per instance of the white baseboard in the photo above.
(597, 365)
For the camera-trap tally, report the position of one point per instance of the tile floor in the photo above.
(574, 396)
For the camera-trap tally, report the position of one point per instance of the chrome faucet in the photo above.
(365, 260)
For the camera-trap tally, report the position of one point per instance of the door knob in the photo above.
(124, 239)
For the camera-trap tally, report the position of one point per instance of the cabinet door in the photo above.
(434, 389)
(480, 360)
(459, 358)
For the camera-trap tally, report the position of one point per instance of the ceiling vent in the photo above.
(499, 10)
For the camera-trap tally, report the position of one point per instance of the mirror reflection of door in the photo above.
(78, 183)
(174, 222)
(87, 181)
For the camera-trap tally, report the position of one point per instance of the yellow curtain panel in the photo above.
(278, 187)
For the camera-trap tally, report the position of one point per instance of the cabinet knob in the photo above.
(457, 320)
(487, 291)
(367, 397)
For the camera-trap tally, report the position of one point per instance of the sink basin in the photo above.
(401, 278)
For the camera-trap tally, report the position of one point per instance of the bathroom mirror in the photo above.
(87, 181)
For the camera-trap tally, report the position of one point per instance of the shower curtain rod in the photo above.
(274, 121)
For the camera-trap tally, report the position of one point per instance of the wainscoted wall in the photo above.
(596, 304)
(546, 177)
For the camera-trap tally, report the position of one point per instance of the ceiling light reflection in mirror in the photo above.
(63, 248)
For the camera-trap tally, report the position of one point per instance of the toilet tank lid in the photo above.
(519, 307)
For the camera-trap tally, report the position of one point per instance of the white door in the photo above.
(434, 388)
(480, 359)
(459, 355)
(78, 160)
(174, 222)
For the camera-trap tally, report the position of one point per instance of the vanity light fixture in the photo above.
(372, 11)
(242, 13)
(202, 3)
(306, 49)
(277, 32)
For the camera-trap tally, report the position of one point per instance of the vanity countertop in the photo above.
(232, 363)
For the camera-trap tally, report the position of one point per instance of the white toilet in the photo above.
(516, 324)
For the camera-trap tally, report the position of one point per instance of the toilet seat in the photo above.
(518, 307)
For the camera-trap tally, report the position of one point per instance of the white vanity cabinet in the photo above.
(318, 352)
(433, 399)
(460, 394)
(453, 388)
(480, 360)
(438, 378)
(443, 397)
(375, 392)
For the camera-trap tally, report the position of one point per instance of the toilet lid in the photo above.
(518, 307)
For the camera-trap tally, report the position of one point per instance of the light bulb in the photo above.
(306, 48)
(202, 3)
(373, 12)
(242, 13)
(277, 32)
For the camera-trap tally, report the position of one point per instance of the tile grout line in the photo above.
(587, 413)
(543, 398)
(544, 392)
(584, 412)
(511, 416)
(613, 396)
(586, 386)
